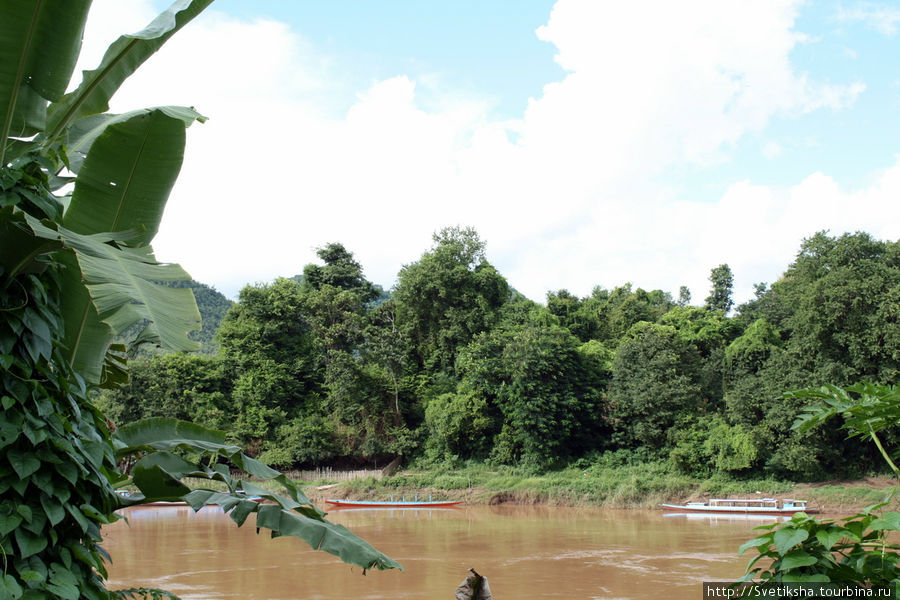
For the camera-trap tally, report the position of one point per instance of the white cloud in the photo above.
(880, 17)
(569, 195)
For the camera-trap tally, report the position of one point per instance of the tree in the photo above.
(839, 304)
(341, 271)
(532, 388)
(93, 252)
(446, 298)
(684, 296)
(654, 386)
(722, 287)
(574, 314)
(710, 332)
(182, 386)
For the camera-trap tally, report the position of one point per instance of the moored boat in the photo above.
(393, 504)
(743, 506)
(127, 495)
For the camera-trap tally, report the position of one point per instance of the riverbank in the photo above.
(631, 486)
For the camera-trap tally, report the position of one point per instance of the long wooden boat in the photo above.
(393, 504)
(128, 496)
(743, 506)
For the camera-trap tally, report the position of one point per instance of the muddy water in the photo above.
(526, 552)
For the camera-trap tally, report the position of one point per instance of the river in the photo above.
(525, 552)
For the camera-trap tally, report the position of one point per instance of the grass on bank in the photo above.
(621, 486)
(624, 486)
(603, 483)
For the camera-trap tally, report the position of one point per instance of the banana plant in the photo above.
(123, 167)
(97, 237)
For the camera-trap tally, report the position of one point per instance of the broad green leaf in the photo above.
(25, 511)
(324, 535)
(9, 587)
(69, 471)
(87, 337)
(755, 543)
(23, 463)
(53, 509)
(21, 247)
(156, 484)
(889, 521)
(126, 177)
(83, 132)
(29, 543)
(788, 537)
(255, 467)
(162, 433)
(174, 465)
(121, 283)
(829, 537)
(8, 522)
(797, 558)
(39, 41)
(9, 433)
(32, 576)
(242, 510)
(122, 58)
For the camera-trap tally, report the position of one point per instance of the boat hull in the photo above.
(401, 504)
(735, 510)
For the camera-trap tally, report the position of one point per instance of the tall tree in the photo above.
(684, 295)
(722, 288)
(451, 294)
(341, 271)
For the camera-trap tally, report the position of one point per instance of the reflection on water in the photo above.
(526, 552)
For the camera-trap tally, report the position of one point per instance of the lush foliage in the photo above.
(454, 365)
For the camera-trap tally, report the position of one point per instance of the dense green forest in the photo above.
(454, 365)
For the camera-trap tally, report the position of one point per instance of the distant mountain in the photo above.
(212, 305)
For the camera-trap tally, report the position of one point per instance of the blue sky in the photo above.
(589, 142)
(486, 48)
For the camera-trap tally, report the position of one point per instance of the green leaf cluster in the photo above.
(854, 550)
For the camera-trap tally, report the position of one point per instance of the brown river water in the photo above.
(525, 552)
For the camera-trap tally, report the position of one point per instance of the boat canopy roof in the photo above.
(754, 502)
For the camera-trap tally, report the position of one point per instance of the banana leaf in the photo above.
(122, 283)
(40, 41)
(128, 172)
(122, 58)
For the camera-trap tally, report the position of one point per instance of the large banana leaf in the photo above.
(121, 281)
(39, 45)
(87, 336)
(130, 168)
(82, 133)
(122, 58)
(158, 473)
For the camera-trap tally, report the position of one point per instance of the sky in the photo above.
(590, 143)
